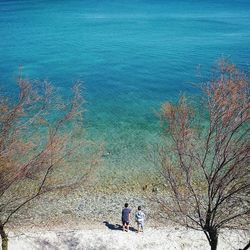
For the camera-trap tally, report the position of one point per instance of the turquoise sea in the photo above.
(131, 56)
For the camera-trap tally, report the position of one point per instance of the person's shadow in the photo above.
(117, 227)
(112, 226)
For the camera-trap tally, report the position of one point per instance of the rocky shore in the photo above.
(91, 221)
(106, 238)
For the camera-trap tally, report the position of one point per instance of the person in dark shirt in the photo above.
(125, 217)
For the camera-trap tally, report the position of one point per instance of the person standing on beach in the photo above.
(125, 217)
(139, 218)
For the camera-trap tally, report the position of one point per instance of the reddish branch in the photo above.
(39, 132)
(208, 176)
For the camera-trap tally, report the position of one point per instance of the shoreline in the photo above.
(92, 222)
(156, 238)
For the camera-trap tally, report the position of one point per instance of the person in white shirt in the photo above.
(139, 218)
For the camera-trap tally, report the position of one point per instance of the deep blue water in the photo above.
(131, 55)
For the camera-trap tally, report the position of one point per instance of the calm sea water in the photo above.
(131, 55)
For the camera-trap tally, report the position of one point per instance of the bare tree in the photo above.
(41, 146)
(206, 165)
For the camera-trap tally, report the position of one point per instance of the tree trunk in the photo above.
(4, 238)
(213, 235)
(247, 246)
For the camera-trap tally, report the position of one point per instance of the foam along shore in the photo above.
(111, 237)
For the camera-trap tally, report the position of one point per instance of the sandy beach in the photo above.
(92, 222)
(109, 236)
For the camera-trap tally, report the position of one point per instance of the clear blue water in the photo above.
(131, 55)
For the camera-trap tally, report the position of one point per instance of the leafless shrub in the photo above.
(42, 146)
(206, 169)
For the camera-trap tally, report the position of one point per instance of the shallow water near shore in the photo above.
(131, 56)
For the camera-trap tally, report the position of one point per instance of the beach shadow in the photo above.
(117, 227)
(132, 229)
(112, 226)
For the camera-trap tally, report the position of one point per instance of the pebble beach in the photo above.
(92, 222)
